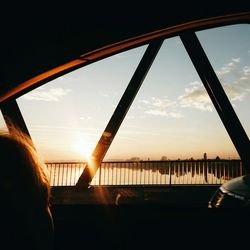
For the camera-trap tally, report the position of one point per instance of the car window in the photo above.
(172, 116)
(67, 116)
(228, 49)
(171, 119)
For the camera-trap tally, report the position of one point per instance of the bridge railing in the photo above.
(132, 173)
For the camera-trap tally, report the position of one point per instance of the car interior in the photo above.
(126, 85)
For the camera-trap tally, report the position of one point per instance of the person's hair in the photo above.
(25, 191)
(23, 167)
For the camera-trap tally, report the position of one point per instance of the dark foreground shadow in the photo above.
(150, 226)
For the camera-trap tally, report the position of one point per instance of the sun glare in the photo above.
(83, 148)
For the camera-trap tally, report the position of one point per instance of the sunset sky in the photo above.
(171, 116)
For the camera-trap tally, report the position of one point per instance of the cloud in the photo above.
(196, 97)
(160, 107)
(164, 113)
(159, 103)
(235, 81)
(53, 94)
(229, 70)
(144, 101)
(237, 60)
(235, 92)
(246, 71)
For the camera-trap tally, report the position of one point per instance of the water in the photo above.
(203, 172)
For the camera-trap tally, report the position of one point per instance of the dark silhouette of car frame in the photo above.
(41, 44)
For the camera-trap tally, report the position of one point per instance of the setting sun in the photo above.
(84, 148)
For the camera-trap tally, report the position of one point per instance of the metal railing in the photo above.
(64, 173)
(132, 173)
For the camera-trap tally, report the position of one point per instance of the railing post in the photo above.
(170, 173)
(100, 174)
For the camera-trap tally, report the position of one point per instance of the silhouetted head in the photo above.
(25, 192)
